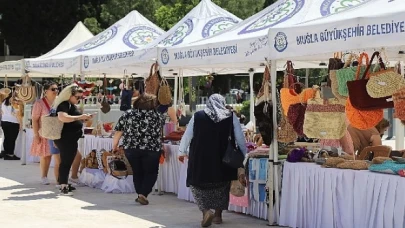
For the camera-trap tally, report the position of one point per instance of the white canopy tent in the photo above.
(78, 34)
(204, 20)
(246, 44)
(369, 26)
(11, 68)
(131, 32)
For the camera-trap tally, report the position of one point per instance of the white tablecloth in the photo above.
(92, 142)
(315, 197)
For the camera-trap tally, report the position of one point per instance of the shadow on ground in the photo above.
(165, 210)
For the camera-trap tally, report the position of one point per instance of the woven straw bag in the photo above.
(165, 93)
(324, 119)
(285, 131)
(237, 189)
(289, 97)
(152, 83)
(334, 86)
(399, 104)
(361, 119)
(374, 151)
(385, 82)
(51, 127)
(380, 160)
(27, 92)
(355, 165)
(333, 162)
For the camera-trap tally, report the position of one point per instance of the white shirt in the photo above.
(8, 114)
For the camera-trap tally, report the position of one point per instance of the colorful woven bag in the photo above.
(399, 104)
(363, 119)
(324, 118)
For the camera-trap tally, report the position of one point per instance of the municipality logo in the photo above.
(164, 56)
(86, 62)
(280, 42)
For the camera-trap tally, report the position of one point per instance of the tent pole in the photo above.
(306, 77)
(176, 90)
(252, 105)
(399, 128)
(272, 176)
(23, 132)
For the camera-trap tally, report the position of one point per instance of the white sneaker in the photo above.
(45, 181)
(76, 182)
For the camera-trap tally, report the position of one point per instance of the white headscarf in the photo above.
(216, 108)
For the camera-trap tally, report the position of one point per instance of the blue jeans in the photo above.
(52, 148)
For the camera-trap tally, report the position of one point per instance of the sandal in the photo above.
(217, 220)
(207, 220)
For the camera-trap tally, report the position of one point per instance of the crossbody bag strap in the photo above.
(46, 104)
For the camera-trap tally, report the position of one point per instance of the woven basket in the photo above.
(51, 127)
(333, 162)
(355, 165)
(165, 93)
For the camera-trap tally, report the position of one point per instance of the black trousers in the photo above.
(145, 167)
(68, 150)
(11, 131)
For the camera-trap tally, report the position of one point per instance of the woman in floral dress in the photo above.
(40, 146)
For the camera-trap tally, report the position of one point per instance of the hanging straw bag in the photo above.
(324, 119)
(399, 104)
(385, 82)
(152, 83)
(165, 93)
(363, 119)
(263, 110)
(5, 91)
(105, 106)
(27, 92)
(358, 95)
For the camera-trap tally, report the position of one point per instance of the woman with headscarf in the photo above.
(207, 176)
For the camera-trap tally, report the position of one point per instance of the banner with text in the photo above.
(344, 35)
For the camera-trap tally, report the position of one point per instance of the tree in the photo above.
(268, 3)
(35, 27)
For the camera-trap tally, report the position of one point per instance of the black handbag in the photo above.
(233, 156)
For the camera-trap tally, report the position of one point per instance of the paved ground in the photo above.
(26, 203)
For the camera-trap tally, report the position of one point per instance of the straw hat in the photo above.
(5, 91)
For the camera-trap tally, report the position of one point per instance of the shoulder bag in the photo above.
(233, 156)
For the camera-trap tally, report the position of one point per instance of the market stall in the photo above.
(319, 197)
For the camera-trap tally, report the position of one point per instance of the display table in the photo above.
(316, 197)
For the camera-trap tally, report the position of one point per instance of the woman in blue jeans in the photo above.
(141, 129)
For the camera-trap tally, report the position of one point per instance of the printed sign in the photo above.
(217, 25)
(179, 35)
(276, 15)
(100, 39)
(140, 36)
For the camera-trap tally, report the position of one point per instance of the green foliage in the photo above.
(245, 110)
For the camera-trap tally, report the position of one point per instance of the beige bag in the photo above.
(5, 91)
(26, 92)
(152, 82)
(324, 118)
(165, 93)
(237, 189)
(105, 106)
(51, 127)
